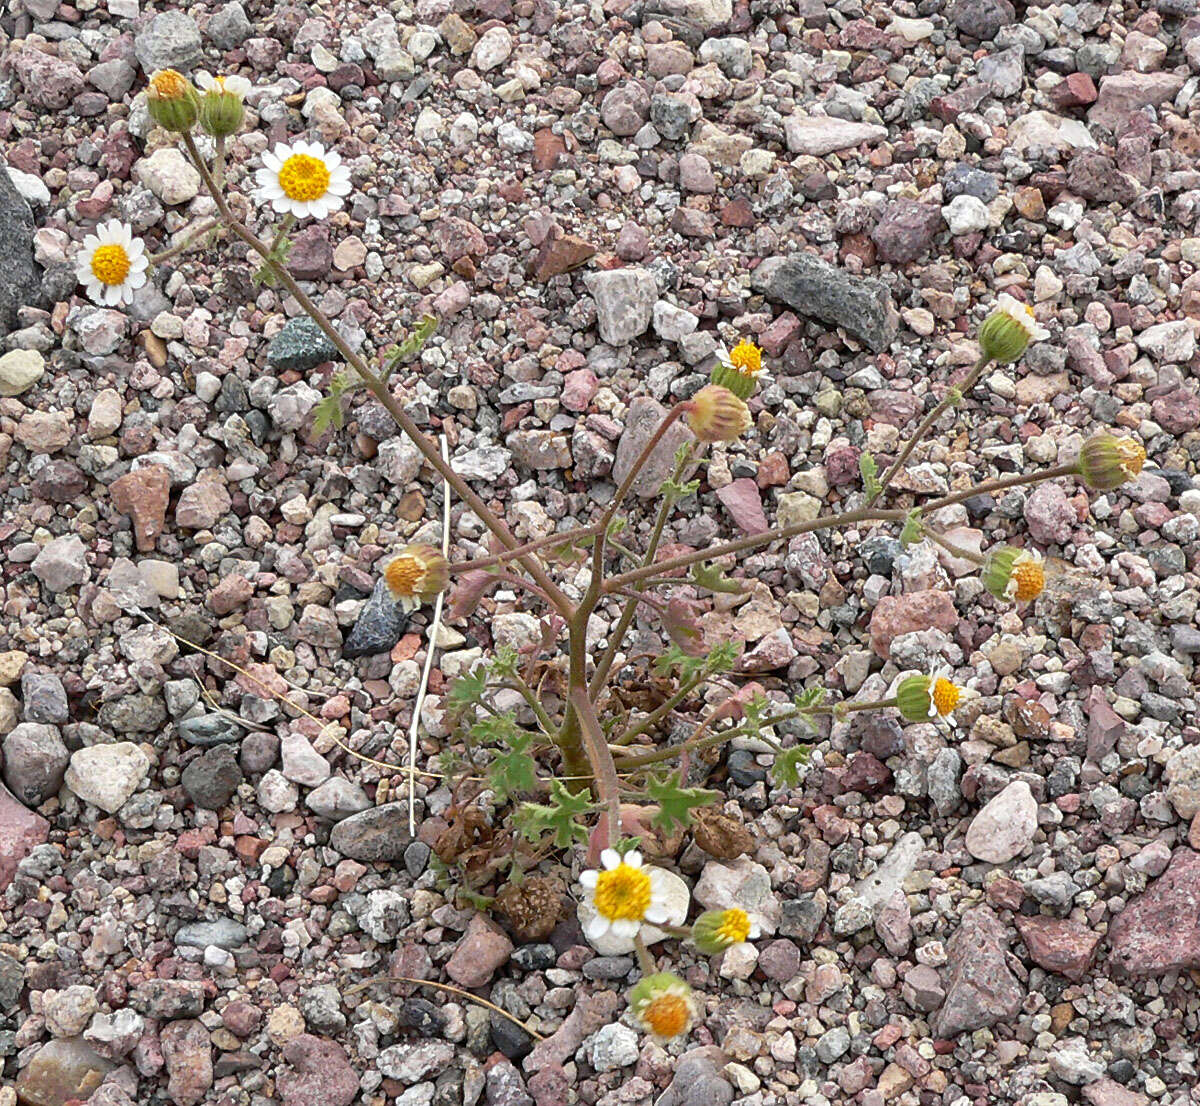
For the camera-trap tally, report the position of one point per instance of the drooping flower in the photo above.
(717, 930)
(740, 374)
(715, 414)
(172, 101)
(664, 1005)
(221, 107)
(417, 574)
(623, 895)
(1015, 575)
(1006, 333)
(113, 263)
(303, 179)
(1106, 461)
(919, 698)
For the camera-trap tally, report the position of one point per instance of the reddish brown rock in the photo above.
(143, 496)
(321, 1075)
(980, 990)
(483, 950)
(1076, 91)
(741, 499)
(20, 831)
(1159, 931)
(556, 256)
(1059, 945)
(903, 614)
(548, 147)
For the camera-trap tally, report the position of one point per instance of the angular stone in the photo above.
(107, 775)
(641, 420)
(378, 834)
(906, 231)
(818, 135)
(321, 1073)
(1004, 828)
(1124, 93)
(1159, 931)
(980, 989)
(380, 625)
(1058, 944)
(1046, 130)
(483, 950)
(20, 831)
(818, 290)
(20, 275)
(188, 1056)
(61, 1070)
(560, 255)
(895, 615)
(143, 496)
(625, 299)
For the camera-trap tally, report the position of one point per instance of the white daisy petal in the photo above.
(596, 927)
(588, 879)
(633, 858)
(625, 927)
(610, 858)
(203, 80)
(656, 914)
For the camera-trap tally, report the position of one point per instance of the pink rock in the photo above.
(741, 500)
(578, 389)
(203, 504)
(453, 300)
(1050, 515)
(143, 496)
(230, 594)
(20, 831)
(775, 339)
(482, 951)
(321, 1075)
(188, 1055)
(918, 610)
(1159, 931)
(1124, 93)
(1058, 944)
(1108, 1092)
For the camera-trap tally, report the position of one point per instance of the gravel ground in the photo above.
(591, 198)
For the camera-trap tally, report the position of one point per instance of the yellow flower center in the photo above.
(304, 178)
(167, 84)
(1030, 578)
(623, 893)
(403, 575)
(110, 264)
(734, 927)
(746, 357)
(1132, 456)
(945, 696)
(668, 1015)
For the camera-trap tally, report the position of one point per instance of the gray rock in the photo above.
(35, 760)
(62, 564)
(833, 1044)
(171, 40)
(641, 420)
(980, 989)
(380, 624)
(229, 26)
(380, 833)
(698, 1080)
(817, 289)
(337, 798)
(873, 891)
(211, 779)
(671, 115)
(225, 933)
(299, 346)
(942, 780)
(45, 698)
(625, 300)
(209, 729)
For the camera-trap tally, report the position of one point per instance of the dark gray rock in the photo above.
(20, 275)
(381, 623)
(698, 1080)
(300, 345)
(380, 833)
(229, 26)
(982, 19)
(211, 779)
(209, 729)
(35, 760)
(815, 288)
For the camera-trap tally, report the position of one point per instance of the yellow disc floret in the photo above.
(735, 926)
(1029, 576)
(667, 1016)
(945, 696)
(623, 892)
(304, 178)
(403, 575)
(111, 264)
(746, 357)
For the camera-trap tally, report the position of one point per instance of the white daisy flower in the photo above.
(1028, 577)
(944, 694)
(113, 263)
(239, 86)
(302, 179)
(1021, 313)
(624, 894)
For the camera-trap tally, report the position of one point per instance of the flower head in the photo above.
(740, 373)
(172, 100)
(716, 930)
(1106, 462)
(715, 414)
(302, 179)
(417, 574)
(1006, 333)
(221, 107)
(919, 698)
(113, 263)
(664, 1005)
(1015, 575)
(623, 894)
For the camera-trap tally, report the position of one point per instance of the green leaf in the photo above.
(467, 691)
(870, 474)
(676, 803)
(411, 345)
(673, 491)
(810, 697)
(711, 577)
(626, 845)
(911, 534)
(562, 817)
(264, 274)
(506, 662)
(721, 658)
(514, 769)
(785, 772)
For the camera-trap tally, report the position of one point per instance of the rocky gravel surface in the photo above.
(195, 879)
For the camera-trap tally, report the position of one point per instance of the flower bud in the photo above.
(920, 698)
(1013, 574)
(1106, 462)
(716, 930)
(715, 414)
(417, 574)
(663, 1004)
(1007, 331)
(740, 374)
(172, 101)
(221, 106)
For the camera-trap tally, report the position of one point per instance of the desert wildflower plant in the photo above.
(560, 762)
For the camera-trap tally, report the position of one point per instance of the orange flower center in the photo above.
(945, 696)
(1030, 579)
(110, 264)
(623, 892)
(404, 575)
(668, 1015)
(304, 178)
(734, 927)
(1132, 456)
(167, 84)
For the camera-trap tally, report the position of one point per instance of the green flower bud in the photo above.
(920, 698)
(1014, 574)
(1106, 462)
(740, 374)
(1007, 331)
(716, 930)
(172, 101)
(222, 108)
